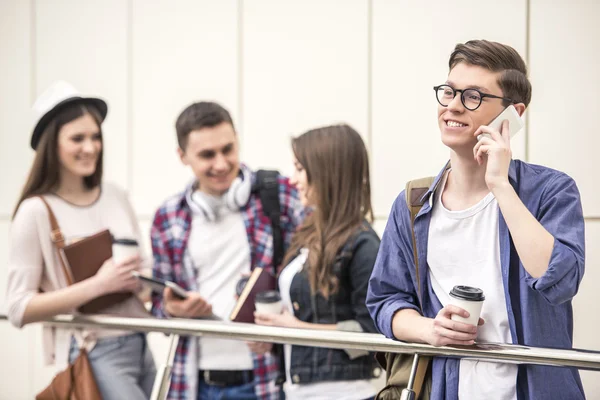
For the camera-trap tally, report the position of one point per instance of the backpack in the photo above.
(397, 365)
(267, 187)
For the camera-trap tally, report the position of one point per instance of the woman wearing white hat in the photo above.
(66, 180)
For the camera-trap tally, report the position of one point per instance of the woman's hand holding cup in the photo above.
(117, 277)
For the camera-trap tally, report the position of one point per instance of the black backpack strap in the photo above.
(267, 185)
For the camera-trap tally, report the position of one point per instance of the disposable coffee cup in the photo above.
(470, 299)
(268, 302)
(123, 249)
(240, 285)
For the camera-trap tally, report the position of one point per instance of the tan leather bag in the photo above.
(77, 381)
(84, 258)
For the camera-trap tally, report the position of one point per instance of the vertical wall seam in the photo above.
(528, 61)
(370, 85)
(32, 52)
(240, 71)
(370, 77)
(129, 95)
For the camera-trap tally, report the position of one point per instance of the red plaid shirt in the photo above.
(170, 233)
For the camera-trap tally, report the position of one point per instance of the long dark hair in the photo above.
(337, 168)
(44, 174)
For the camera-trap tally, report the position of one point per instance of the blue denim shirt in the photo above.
(539, 309)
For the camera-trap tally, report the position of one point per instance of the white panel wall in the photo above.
(85, 43)
(305, 64)
(182, 52)
(282, 67)
(411, 47)
(565, 60)
(15, 87)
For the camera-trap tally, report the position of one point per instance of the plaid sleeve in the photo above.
(162, 263)
(291, 208)
(266, 370)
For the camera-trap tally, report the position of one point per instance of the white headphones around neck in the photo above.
(236, 197)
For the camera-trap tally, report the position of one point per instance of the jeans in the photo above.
(123, 366)
(213, 392)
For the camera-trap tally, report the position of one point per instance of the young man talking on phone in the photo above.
(225, 223)
(513, 229)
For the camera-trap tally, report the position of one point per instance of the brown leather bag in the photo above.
(85, 257)
(76, 382)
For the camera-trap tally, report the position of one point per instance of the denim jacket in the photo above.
(539, 309)
(346, 308)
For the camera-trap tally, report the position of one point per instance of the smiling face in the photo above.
(213, 155)
(79, 147)
(458, 124)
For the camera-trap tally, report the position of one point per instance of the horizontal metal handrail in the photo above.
(506, 353)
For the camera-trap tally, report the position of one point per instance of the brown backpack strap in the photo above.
(414, 192)
(58, 239)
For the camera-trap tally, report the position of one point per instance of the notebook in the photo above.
(260, 280)
(85, 258)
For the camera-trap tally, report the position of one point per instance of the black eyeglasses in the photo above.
(470, 98)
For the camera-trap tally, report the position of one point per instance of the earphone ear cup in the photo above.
(235, 198)
(239, 192)
(230, 196)
(208, 210)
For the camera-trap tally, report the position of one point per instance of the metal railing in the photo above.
(582, 359)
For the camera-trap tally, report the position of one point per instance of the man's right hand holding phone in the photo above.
(194, 306)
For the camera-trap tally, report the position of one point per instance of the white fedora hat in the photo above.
(54, 99)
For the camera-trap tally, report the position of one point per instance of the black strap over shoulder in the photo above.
(267, 186)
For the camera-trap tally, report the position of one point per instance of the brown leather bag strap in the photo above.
(414, 200)
(58, 239)
(414, 192)
(55, 233)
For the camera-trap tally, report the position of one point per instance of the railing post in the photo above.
(163, 375)
(409, 393)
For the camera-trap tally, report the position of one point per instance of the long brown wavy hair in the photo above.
(337, 168)
(44, 175)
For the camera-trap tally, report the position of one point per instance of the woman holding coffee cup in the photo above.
(324, 282)
(65, 181)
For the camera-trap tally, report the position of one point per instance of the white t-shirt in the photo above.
(464, 249)
(221, 253)
(347, 390)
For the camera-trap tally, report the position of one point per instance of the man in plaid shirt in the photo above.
(205, 239)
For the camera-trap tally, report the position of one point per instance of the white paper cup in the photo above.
(123, 249)
(469, 299)
(268, 302)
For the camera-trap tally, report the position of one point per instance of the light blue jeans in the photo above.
(123, 366)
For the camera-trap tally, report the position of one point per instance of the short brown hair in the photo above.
(204, 114)
(497, 57)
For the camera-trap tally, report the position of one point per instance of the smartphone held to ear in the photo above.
(515, 122)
